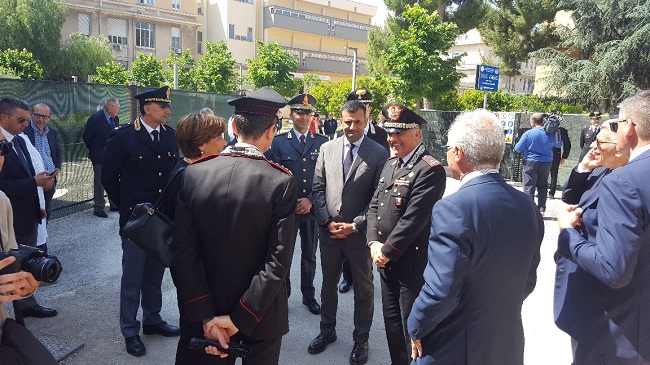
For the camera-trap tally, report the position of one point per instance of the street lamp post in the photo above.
(354, 67)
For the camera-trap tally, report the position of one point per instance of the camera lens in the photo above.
(45, 269)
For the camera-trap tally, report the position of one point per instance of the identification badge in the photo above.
(402, 182)
(399, 202)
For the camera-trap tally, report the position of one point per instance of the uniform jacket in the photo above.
(399, 215)
(586, 138)
(378, 134)
(482, 265)
(96, 134)
(234, 240)
(329, 126)
(287, 151)
(602, 297)
(19, 185)
(53, 142)
(346, 201)
(580, 183)
(133, 170)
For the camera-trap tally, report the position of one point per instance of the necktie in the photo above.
(19, 151)
(302, 142)
(347, 162)
(155, 133)
(398, 166)
(112, 122)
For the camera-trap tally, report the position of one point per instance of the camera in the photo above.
(34, 261)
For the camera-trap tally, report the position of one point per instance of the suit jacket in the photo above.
(564, 151)
(378, 134)
(287, 151)
(602, 297)
(399, 215)
(19, 185)
(482, 265)
(53, 142)
(133, 170)
(234, 240)
(580, 183)
(346, 200)
(96, 134)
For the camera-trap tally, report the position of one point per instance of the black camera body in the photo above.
(32, 260)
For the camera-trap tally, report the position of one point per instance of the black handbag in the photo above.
(20, 346)
(151, 229)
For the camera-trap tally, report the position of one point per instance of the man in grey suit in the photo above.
(347, 173)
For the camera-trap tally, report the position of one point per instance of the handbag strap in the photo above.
(171, 178)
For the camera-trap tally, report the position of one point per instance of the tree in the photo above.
(7, 73)
(309, 81)
(466, 14)
(273, 67)
(330, 96)
(378, 45)
(148, 71)
(604, 58)
(415, 56)
(216, 71)
(34, 25)
(111, 73)
(80, 56)
(21, 63)
(187, 72)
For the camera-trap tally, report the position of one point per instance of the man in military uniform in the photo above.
(297, 150)
(329, 126)
(399, 220)
(234, 237)
(588, 133)
(138, 158)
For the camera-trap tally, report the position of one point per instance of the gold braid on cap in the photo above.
(401, 125)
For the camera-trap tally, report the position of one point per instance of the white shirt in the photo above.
(149, 129)
(476, 173)
(348, 145)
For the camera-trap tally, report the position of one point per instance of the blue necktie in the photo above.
(347, 163)
(20, 152)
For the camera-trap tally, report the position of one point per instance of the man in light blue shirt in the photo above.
(537, 147)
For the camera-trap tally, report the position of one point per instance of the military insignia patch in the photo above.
(395, 112)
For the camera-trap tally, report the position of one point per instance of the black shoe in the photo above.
(312, 305)
(162, 328)
(134, 346)
(101, 214)
(38, 311)
(115, 209)
(359, 353)
(344, 286)
(321, 341)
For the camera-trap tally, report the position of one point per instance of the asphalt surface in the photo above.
(87, 298)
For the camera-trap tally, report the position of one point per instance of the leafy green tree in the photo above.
(34, 25)
(148, 71)
(22, 63)
(309, 81)
(466, 14)
(111, 73)
(273, 67)
(415, 56)
(7, 73)
(378, 45)
(330, 96)
(604, 58)
(80, 56)
(187, 72)
(216, 70)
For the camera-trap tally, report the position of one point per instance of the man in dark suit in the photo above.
(46, 141)
(297, 150)
(560, 154)
(137, 161)
(602, 303)
(588, 133)
(399, 220)
(329, 126)
(347, 172)
(234, 237)
(19, 182)
(478, 274)
(95, 135)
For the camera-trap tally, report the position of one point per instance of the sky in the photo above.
(381, 10)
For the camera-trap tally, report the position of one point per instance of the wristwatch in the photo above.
(354, 228)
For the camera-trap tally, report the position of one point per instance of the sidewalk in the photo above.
(87, 298)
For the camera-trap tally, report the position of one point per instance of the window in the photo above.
(176, 38)
(199, 42)
(245, 1)
(148, 2)
(84, 24)
(199, 8)
(231, 31)
(117, 31)
(249, 34)
(145, 34)
(176, 4)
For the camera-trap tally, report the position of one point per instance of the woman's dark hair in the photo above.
(194, 130)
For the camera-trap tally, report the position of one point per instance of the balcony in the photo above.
(299, 21)
(326, 62)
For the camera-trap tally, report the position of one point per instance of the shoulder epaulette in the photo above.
(431, 161)
(280, 167)
(391, 158)
(320, 135)
(206, 158)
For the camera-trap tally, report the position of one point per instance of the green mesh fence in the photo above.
(72, 104)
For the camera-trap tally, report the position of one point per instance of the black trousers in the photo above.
(263, 352)
(555, 167)
(397, 301)
(306, 225)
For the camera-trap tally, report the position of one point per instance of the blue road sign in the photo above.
(487, 78)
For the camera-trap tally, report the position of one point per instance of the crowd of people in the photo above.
(363, 195)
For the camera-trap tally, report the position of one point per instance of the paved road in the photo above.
(86, 297)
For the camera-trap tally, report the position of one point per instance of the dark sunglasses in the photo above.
(6, 148)
(614, 125)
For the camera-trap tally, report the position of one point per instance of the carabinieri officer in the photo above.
(297, 150)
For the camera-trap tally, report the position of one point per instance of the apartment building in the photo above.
(478, 52)
(139, 26)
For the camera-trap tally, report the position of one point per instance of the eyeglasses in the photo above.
(445, 148)
(598, 142)
(41, 116)
(6, 148)
(614, 125)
